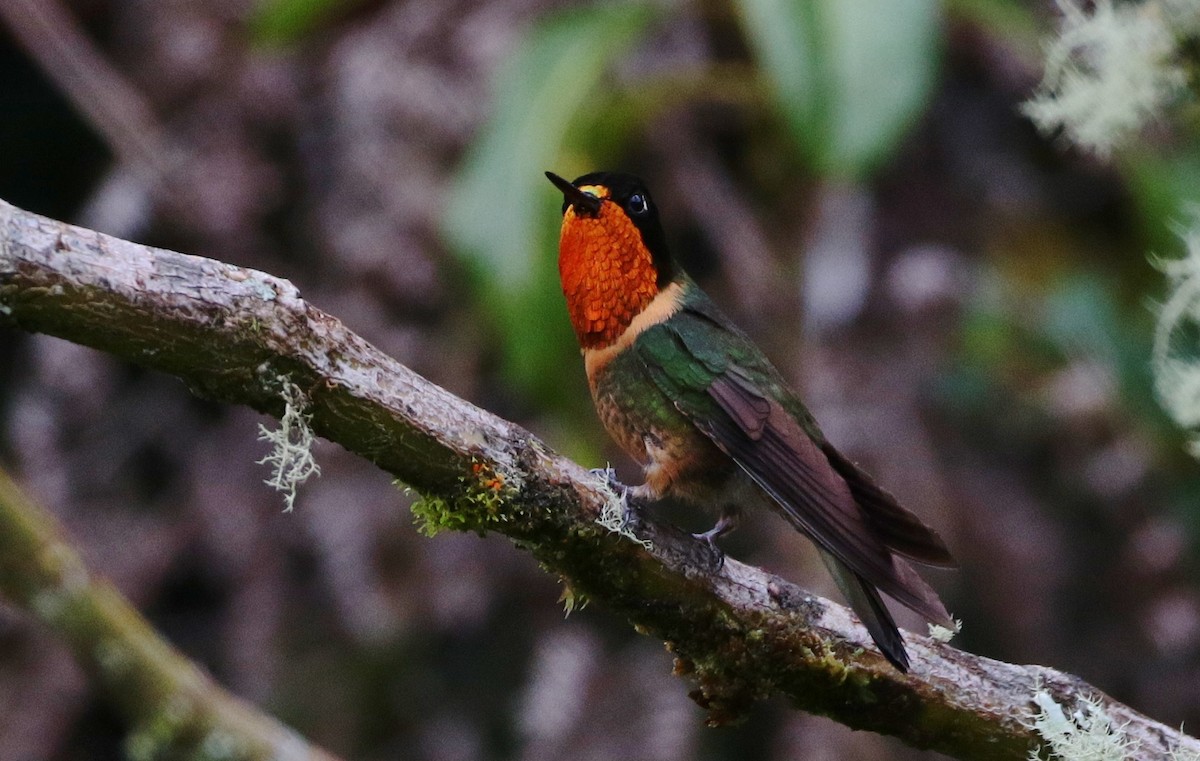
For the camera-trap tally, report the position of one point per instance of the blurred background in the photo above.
(967, 307)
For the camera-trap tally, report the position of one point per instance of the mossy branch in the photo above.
(740, 634)
(174, 709)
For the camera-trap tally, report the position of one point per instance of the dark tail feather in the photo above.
(864, 599)
(899, 529)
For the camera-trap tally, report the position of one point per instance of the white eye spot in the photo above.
(637, 204)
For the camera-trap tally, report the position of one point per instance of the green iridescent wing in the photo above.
(732, 394)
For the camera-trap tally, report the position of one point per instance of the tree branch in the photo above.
(740, 634)
(174, 709)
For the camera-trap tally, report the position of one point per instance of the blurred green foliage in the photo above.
(1017, 344)
(1021, 337)
(849, 76)
(283, 22)
(500, 216)
(1163, 185)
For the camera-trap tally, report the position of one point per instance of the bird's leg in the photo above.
(730, 517)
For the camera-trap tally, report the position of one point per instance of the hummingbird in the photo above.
(713, 423)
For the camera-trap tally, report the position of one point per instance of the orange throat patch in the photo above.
(607, 273)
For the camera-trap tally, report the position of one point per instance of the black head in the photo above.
(630, 194)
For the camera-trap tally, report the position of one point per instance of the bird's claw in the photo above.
(710, 555)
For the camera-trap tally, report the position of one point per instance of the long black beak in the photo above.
(585, 202)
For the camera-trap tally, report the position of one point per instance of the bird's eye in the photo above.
(638, 204)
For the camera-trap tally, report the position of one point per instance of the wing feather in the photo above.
(789, 466)
(902, 531)
(721, 390)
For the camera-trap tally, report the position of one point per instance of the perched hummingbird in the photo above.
(690, 397)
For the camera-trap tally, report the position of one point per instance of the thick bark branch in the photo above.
(739, 634)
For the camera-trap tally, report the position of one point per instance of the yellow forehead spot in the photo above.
(599, 191)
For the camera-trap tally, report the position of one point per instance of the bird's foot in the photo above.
(728, 522)
(709, 555)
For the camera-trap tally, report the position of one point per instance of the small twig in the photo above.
(53, 37)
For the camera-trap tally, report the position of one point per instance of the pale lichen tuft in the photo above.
(1087, 734)
(613, 516)
(944, 634)
(1176, 356)
(291, 457)
(1113, 67)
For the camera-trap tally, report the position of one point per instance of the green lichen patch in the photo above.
(433, 515)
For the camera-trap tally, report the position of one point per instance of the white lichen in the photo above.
(613, 516)
(944, 634)
(1087, 734)
(1112, 68)
(1176, 357)
(291, 457)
